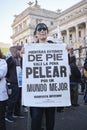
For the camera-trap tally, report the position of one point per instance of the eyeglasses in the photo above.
(40, 28)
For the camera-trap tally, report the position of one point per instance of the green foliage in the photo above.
(5, 50)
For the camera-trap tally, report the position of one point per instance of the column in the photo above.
(86, 30)
(76, 28)
(68, 36)
(85, 35)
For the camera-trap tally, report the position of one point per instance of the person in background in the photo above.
(21, 52)
(83, 79)
(75, 79)
(12, 85)
(3, 91)
(85, 76)
(13, 107)
(37, 112)
(17, 108)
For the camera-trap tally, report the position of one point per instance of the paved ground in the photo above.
(74, 118)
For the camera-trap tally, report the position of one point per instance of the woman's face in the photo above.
(42, 32)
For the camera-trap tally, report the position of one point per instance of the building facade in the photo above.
(24, 24)
(70, 25)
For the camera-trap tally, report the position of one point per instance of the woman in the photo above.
(37, 112)
(75, 79)
(3, 91)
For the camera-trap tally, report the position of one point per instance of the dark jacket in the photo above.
(11, 74)
(85, 64)
(75, 76)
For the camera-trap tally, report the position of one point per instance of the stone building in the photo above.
(73, 24)
(69, 25)
(24, 24)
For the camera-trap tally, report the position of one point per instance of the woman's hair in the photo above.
(34, 33)
(41, 25)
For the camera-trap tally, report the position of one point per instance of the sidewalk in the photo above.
(73, 118)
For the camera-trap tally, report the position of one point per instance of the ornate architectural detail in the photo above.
(36, 2)
(30, 3)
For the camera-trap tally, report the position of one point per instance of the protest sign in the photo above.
(45, 75)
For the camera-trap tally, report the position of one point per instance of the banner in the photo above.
(19, 75)
(45, 75)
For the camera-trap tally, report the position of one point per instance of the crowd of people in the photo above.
(10, 92)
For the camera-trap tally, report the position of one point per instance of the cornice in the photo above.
(30, 11)
(73, 18)
(70, 9)
(81, 11)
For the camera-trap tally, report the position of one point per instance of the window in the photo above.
(24, 24)
(56, 35)
(51, 23)
(17, 44)
(79, 33)
(70, 36)
(37, 21)
(16, 30)
(20, 27)
(26, 40)
(63, 39)
(21, 43)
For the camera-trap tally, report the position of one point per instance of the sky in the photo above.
(9, 8)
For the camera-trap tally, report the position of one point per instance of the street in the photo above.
(73, 118)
